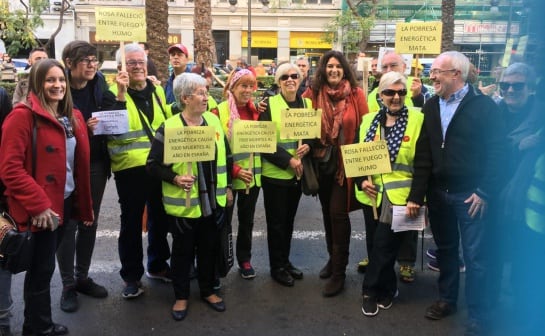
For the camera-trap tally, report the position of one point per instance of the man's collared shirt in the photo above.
(448, 107)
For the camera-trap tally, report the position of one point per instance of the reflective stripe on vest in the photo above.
(397, 184)
(276, 105)
(535, 205)
(131, 149)
(174, 197)
(241, 159)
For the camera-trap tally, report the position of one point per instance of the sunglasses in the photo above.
(391, 93)
(517, 86)
(286, 77)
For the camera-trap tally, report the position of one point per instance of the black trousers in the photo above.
(281, 202)
(245, 212)
(190, 236)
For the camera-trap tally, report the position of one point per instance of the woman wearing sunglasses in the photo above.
(281, 173)
(335, 90)
(400, 127)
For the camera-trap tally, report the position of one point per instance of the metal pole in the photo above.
(249, 32)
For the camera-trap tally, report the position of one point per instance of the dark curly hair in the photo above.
(320, 76)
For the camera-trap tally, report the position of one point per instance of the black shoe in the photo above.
(56, 330)
(282, 277)
(439, 310)
(69, 300)
(91, 288)
(369, 306)
(5, 331)
(294, 271)
(217, 306)
(179, 315)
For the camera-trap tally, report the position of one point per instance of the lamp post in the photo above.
(265, 8)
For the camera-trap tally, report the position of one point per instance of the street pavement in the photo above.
(254, 307)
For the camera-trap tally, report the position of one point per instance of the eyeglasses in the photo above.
(391, 66)
(517, 86)
(286, 77)
(202, 94)
(439, 71)
(391, 93)
(132, 64)
(87, 61)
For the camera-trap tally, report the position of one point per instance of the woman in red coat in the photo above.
(59, 188)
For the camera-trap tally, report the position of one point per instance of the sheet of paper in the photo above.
(400, 222)
(111, 122)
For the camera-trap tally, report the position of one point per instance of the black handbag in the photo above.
(309, 180)
(16, 247)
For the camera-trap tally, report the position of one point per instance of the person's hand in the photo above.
(122, 81)
(477, 206)
(416, 87)
(412, 209)
(262, 105)
(487, 90)
(245, 175)
(154, 80)
(297, 166)
(230, 198)
(184, 181)
(92, 124)
(369, 188)
(303, 150)
(45, 219)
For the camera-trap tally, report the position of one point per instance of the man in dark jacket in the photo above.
(456, 166)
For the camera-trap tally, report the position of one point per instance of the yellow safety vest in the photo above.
(131, 149)
(372, 102)
(241, 159)
(534, 214)
(174, 197)
(277, 104)
(397, 183)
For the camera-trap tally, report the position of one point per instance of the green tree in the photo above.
(17, 26)
(157, 35)
(353, 25)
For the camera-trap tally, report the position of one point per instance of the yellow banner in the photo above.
(308, 40)
(300, 123)
(508, 51)
(190, 144)
(366, 158)
(120, 24)
(418, 38)
(253, 137)
(261, 39)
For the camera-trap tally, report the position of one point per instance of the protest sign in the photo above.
(189, 144)
(418, 37)
(253, 137)
(366, 158)
(300, 123)
(111, 122)
(120, 24)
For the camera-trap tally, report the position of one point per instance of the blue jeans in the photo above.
(5, 297)
(450, 225)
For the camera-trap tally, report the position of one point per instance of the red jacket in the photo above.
(28, 196)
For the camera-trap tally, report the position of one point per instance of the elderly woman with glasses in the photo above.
(281, 173)
(400, 127)
(194, 227)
